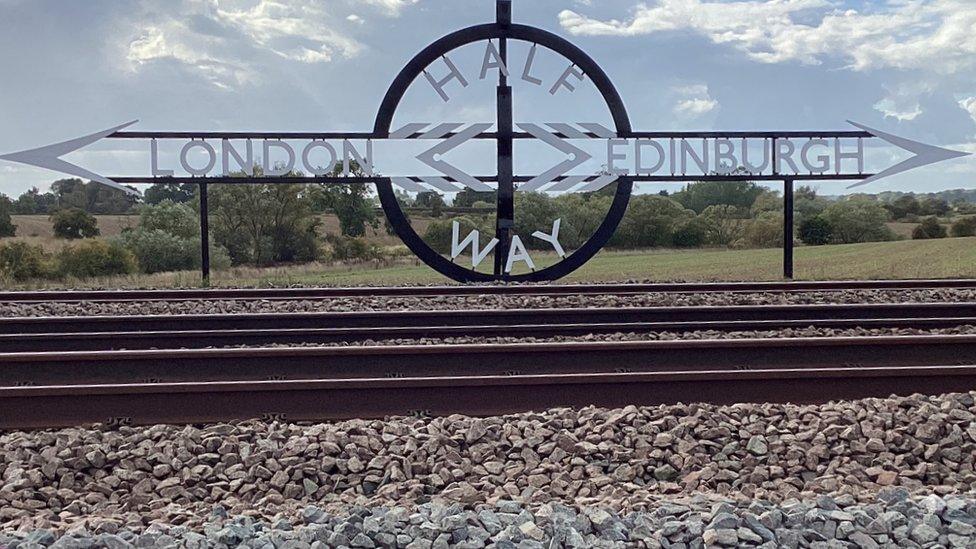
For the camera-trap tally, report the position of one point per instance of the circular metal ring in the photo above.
(413, 69)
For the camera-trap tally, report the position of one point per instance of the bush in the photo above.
(858, 220)
(352, 248)
(815, 231)
(765, 231)
(171, 217)
(930, 228)
(650, 221)
(21, 262)
(158, 251)
(690, 234)
(73, 223)
(7, 227)
(964, 227)
(95, 258)
(439, 233)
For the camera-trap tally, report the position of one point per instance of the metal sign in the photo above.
(630, 156)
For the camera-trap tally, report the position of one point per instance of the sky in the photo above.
(68, 69)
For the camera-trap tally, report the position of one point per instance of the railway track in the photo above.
(180, 368)
(111, 296)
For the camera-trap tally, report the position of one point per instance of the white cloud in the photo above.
(219, 38)
(694, 101)
(903, 103)
(932, 35)
(969, 105)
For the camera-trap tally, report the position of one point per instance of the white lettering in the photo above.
(365, 163)
(563, 81)
(454, 74)
(613, 156)
(745, 157)
(185, 162)
(639, 145)
(528, 68)
(518, 253)
(784, 151)
(839, 156)
(474, 240)
(552, 238)
(227, 150)
(493, 60)
(272, 170)
(318, 170)
(154, 160)
(823, 160)
(725, 161)
(701, 161)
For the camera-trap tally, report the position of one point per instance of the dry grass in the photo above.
(943, 258)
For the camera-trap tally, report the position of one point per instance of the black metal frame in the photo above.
(502, 31)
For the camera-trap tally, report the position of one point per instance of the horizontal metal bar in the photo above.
(490, 135)
(334, 180)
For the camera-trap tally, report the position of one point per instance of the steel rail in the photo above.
(325, 399)
(482, 317)
(197, 339)
(474, 290)
(392, 361)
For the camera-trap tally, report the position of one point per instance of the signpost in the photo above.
(631, 156)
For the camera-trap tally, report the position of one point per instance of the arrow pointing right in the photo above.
(923, 154)
(579, 156)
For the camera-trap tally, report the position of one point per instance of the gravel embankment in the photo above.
(482, 302)
(966, 329)
(892, 519)
(625, 461)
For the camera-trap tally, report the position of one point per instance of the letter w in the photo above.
(474, 240)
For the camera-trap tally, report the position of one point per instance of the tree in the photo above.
(73, 223)
(350, 202)
(903, 206)
(650, 221)
(92, 197)
(468, 197)
(726, 223)
(858, 220)
(7, 227)
(264, 224)
(35, 202)
(929, 228)
(699, 196)
(933, 206)
(964, 227)
(807, 204)
(764, 231)
(815, 231)
(175, 192)
(170, 217)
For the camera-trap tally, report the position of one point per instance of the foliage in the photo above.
(93, 198)
(650, 222)
(174, 218)
(174, 192)
(933, 206)
(764, 231)
(858, 220)
(903, 206)
(725, 224)
(439, 233)
(350, 248)
(930, 228)
(264, 224)
(7, 227)
(768, 201)
(806, 203)
(21, 262)
(351, 202)
(699, 196)
(35, 202)
(692, 233)
(965, 226)
(815, 231)
(95, 258)
(469, 197)
(74, 223)
(432, 201)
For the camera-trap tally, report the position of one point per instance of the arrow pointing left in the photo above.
(49, 157)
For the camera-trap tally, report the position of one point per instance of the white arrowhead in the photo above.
(923, 154)
(429, 157)
(579, 156)
(49, 157)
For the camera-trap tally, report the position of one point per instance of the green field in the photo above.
(944, 258)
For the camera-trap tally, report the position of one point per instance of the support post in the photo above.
(788, 229)
(204, 235)
(505, 209)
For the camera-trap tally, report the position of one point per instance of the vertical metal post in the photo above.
(204, 235)
(505, 216)
(788, 228)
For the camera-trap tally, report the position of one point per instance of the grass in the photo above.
(943, 258)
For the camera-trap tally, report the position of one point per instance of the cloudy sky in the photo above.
(72, 68)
